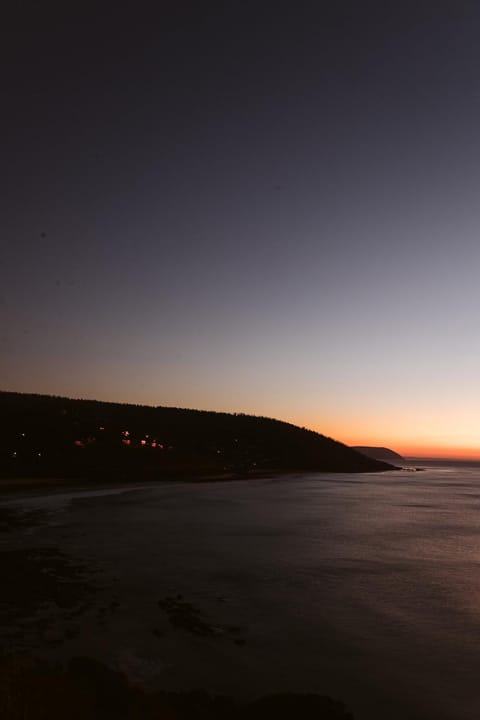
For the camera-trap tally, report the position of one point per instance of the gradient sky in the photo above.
(271, 208)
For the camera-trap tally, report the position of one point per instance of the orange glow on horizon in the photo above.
(414, 449)
(430, 443)
(447, 452)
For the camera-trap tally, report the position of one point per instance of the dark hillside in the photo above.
(378, 453)
(59, 437)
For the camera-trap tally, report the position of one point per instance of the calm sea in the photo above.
(364, 587)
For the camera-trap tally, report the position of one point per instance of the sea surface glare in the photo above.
(363, 587)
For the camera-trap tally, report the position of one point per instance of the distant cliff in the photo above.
(59, 437)
(378, 453)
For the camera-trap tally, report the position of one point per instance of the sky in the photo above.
(270, 208)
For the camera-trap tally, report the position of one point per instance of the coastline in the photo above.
(10, 486)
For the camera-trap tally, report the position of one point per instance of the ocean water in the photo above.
(364, 587)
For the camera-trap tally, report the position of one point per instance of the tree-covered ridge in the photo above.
(378, 453)
(48, 435)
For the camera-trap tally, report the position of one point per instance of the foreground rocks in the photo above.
(86, 689)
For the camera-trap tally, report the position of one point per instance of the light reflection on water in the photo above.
(366, 587)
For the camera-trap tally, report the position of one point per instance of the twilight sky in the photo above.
(270, 208)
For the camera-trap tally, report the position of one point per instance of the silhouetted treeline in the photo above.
(54, 436)
(378, 453)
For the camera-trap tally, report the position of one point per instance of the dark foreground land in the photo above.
(86, 689)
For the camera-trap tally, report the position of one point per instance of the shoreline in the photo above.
(9, 485)
(13, 485)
